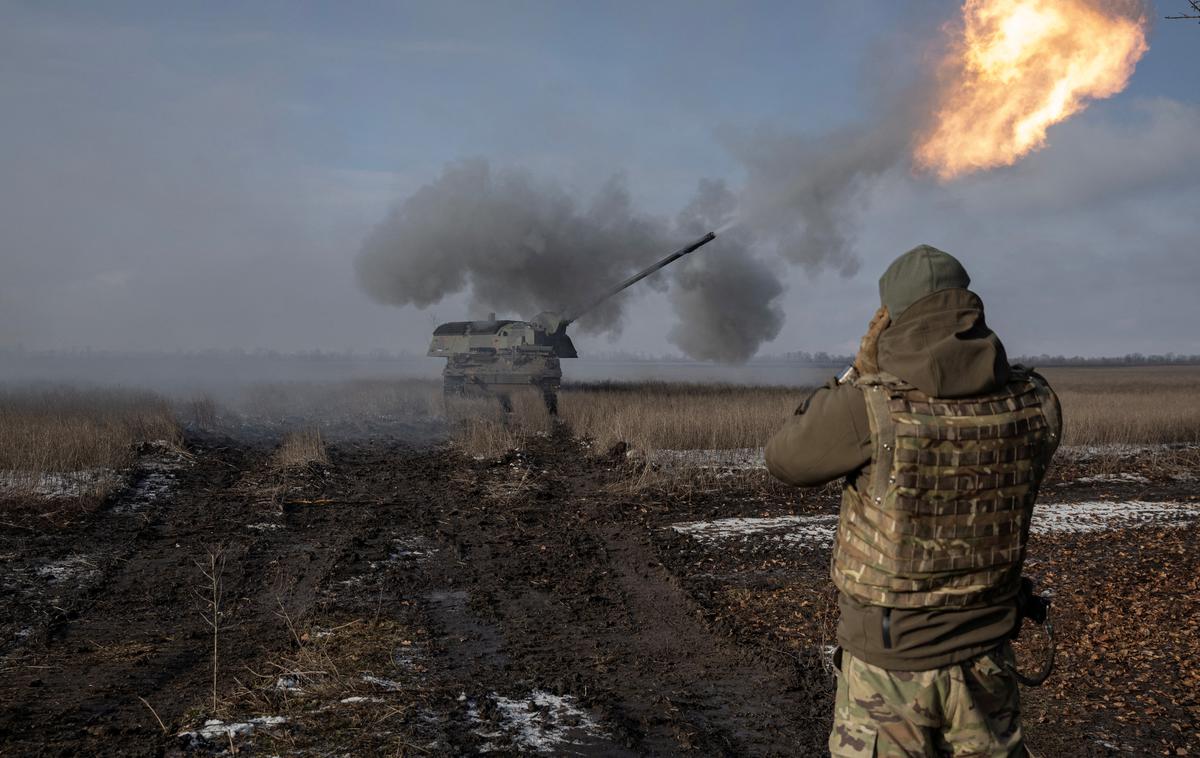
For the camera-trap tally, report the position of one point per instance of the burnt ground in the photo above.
(406, 599)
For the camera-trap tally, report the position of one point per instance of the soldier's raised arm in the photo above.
(828, 438)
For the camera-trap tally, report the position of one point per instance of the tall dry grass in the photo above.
(61, 430)
(70, 429)
(656, 415)
(1128, 406)
(1101, 406)
(481, 427)
(302, 447)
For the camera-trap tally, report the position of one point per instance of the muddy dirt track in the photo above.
(406, 600)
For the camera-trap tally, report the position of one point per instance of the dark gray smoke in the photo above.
(803, 195)
(725, 298)
(519, 245)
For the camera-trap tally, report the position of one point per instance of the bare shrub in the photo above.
(301, 448)
(210, 595)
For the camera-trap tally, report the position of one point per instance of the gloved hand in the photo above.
(867, 361)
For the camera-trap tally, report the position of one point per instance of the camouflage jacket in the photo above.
(940, 345)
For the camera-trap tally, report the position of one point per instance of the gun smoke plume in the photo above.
(727, 274)
(520, 245)
(1012, 68)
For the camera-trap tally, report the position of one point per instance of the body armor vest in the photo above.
(942, 516)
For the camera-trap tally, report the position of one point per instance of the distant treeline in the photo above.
(823, 359)
(1132, 359)
(820, 359)
(226, 353)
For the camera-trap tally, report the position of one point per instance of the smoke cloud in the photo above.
(726, 298)
(518, 244)
(523, 245)
(803, 194)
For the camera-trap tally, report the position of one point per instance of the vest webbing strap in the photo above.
(943, 514)
(972, 433)
(956, 458)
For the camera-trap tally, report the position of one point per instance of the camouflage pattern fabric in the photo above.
(943, 518)
(969, 709)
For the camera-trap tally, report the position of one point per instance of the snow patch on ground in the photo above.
(1102, 515)
(359, 699)
(818, 530)
(263, 527)
(1121, 478)
(220, 732)
(155, 479)
(382, 683)
(59, 485)
(406, 657)
(1071, 518)
(734, 458)
(411, 548)
(71, 567)
(1085, 453)
(541, 723)
(752, 458)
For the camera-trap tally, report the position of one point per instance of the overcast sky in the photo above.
(192, 176)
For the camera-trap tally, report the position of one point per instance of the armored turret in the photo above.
(493, 355)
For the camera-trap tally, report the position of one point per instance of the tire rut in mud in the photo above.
(137, 632)
(583, 606)
(528, 588)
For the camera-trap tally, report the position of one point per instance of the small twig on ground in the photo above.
(288, 620)
(153, 713)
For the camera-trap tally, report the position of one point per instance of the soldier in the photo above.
(943, 445)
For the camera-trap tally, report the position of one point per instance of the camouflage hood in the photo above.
(942, 345)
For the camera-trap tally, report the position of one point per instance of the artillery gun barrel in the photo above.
(575, 314)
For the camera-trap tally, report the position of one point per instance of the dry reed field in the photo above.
(44, 432)
(301, 448)
(1142, 405)
(483, 429)
(657, 416)
(48, 431)
(1101, 407)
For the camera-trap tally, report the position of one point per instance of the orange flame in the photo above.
(1020, 67)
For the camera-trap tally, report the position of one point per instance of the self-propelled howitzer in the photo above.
(497, 355)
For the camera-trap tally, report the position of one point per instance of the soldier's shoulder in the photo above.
(1021, 372)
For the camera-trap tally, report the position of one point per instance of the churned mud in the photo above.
(405, 599)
